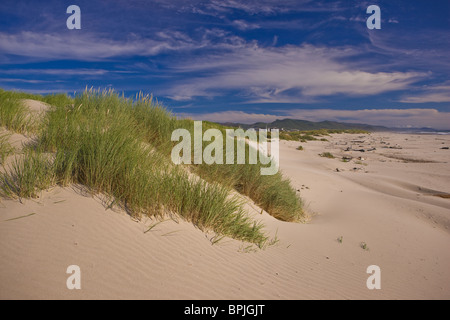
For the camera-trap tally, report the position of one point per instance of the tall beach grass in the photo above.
(15, 116)
(99, 142)
(273, 193)
(121, 147)
(5, 147)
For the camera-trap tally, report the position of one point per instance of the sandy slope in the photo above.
(389, 204)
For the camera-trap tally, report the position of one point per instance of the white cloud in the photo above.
(423, 49)
(88, 47)
(285, 73)
(250, 7)
(268, 7)
(438, 93)
(244, 25)
(68, 72)
(25, 80)
(358, 19)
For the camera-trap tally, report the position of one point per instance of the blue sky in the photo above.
(241, 60)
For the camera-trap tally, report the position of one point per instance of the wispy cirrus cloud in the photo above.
(69, 72)
(19, 80)
(244, 25)
(424, 49)
(426, 94)
(88, 47)
(266, 7)
(289, 73)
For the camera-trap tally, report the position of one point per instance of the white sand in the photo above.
(388, 204)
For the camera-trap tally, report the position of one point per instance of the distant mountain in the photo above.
(304, 125)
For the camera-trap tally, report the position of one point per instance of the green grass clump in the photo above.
(14, 115)
(307, 137)
(300, 148)
(316, 135)
(156, 122)
(364, 246)
(5, 148)
(302, 136)
(28, 174)
(60, 99)
(273, 193)
(327, 155)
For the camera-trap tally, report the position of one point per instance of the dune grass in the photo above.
(14, 115)
(59, 99)
(27, 176)
(121, 147)
(99, 143)
(273, 193)
(328, 155)
(316, 135)
(5, 147)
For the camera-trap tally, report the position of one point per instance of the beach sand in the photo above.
(393, 200)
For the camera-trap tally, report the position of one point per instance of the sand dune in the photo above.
(389, 204)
